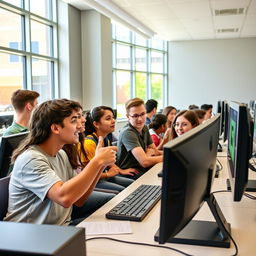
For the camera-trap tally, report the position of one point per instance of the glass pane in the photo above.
(156, 62)
(123, 54)
(157, 89)
(41, 38)
(140, 59)
(123, 34)
(42, 80)
(139, 40)
(15, 2)
(41, 7)
(141, 85)
(157, 43)
(11, 79)
(123, 91)
(10, 30)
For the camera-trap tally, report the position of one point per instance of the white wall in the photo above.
(70, 64)
(210, 70)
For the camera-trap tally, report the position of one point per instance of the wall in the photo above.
(210, 70)
(70, 64)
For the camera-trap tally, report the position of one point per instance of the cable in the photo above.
(229, 235)
(245, 194)
(221, 166)
(137, 243)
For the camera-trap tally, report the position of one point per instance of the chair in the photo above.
(4, 193)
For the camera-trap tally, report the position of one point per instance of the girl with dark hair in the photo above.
(184, 121)
(156, 128)
(100, 121)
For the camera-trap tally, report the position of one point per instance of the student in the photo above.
(170, 112)
(193, 107)
(208, 109)
(23, 101)
(43, 186)
(184, 121)
(151, 107)
(100, 121)
(200, 115)
(157, 127)
(135, 146)
(97, 198)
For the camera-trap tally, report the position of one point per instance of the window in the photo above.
(28, 54)
(139, 68)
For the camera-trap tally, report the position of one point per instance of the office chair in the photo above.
(4, 193)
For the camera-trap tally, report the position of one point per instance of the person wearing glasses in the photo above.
(184, 121)
(135, 146)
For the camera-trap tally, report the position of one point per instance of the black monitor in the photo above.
(220, 110)
(239, 150)
(226, 121)
(254, 135)
(8, 145)
(6, 120)
(188, 172)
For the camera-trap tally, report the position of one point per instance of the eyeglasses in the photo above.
(136, 116)
(175, 125)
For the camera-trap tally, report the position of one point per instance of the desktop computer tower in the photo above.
(20, 239)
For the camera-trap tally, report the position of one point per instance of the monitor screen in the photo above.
(188, 171)
(8, 145)
(239, 148)
(5, 120)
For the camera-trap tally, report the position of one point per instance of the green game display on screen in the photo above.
(232, 138)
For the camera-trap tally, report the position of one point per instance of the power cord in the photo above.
(229, 235)
(137, 243)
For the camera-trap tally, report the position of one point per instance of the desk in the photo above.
(241, 215)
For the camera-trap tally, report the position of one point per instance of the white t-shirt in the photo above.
(33, 174)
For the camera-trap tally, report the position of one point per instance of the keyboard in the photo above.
(136, 205)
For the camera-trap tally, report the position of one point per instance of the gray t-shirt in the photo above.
(130, 138)
(33, 174)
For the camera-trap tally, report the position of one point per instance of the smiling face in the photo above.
(69, 131)
(106, 124)
(81, 119)
(182, 125)
(171, 115)
(137, 117)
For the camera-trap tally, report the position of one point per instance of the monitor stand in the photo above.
(205, 233)
(251, 185)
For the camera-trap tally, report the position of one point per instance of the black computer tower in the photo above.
(20, 239)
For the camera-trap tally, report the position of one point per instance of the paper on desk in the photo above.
(106, 228)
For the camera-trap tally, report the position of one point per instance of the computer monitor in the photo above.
(239, 150)
(226, 121)
(254, 135)
(5, 120)
(8, 145)
(220, 110)
(188, 172)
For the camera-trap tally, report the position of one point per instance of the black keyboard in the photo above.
(136, 205)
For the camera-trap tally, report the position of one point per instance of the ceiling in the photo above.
(176, 20)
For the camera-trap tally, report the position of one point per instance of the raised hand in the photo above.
(107, 155)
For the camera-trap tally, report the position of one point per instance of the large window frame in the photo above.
(148, 64)
(39, 58)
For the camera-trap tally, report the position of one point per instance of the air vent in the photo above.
(227, 30)
(235, 11)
